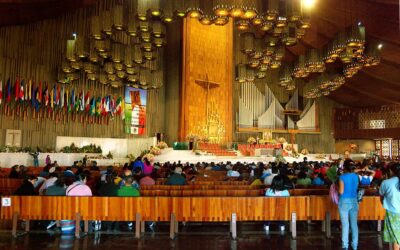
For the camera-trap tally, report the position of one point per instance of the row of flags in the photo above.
(59, 97)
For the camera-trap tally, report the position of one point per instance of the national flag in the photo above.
(52, 97)
(66, 98)
(82, 101)
(103, 106)
(21, 91)
(92, 106)
(123, 109)
(98, 106)
(8, 98)
(29, 91)
(118, 108)
(87, 101)
(77, 102)
(62, 96)
(1, 91)
(72, 101)
(107, 105)
(46, 96)
(40, 93)
(33, 96)
(16, 89)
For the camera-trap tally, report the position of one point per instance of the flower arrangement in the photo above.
(192, 137)
(162, 145)
(281, 140)
(261, 141)
(251, 140)
(155, 151)
(203, 139)
(288, 147)
(280, 158)
(149, 157)
(304, 151)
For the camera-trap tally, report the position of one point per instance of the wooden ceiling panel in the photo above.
(371, 87)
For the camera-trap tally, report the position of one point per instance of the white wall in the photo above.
(120, 148)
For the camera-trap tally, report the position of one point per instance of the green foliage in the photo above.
(331, 173)
(109, 155)
(92, 148)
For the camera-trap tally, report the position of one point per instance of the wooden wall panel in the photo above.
(35, 51)
(207, 56)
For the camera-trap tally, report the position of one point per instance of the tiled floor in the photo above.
(193, 236)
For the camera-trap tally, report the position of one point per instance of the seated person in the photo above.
(58, 188)
(278, 189)
(79, 187)
(108, 188)
(177, 178)
(303, 179)
(268, 179)
(27, 187)
(14, 173)
(128, 190)
(318, 180)
(50, 181)
(147, 181)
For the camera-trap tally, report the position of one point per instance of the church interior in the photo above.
(198, 124)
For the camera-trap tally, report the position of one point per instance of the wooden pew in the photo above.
(9, 186)
(198, 209)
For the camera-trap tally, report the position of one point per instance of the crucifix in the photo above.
(207, 85)
(212, 118)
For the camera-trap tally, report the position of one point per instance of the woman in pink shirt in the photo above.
(79, 187)
(148, 167)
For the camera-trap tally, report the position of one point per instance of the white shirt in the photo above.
(269, 178)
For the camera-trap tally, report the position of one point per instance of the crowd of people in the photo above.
(277, 178)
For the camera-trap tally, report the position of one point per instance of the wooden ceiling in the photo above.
(374, 86)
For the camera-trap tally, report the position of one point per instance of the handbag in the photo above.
(360, 194)
(334, 194)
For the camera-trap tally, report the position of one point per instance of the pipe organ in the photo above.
(263, 110)
(308, 119)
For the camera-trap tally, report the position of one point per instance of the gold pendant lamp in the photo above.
(155, 8)
(193, 8)
(137, 54)
(70, 52)
(107, 23)
(118, 14)
(143, 6)
(273, 10)
(247, 40)
(95, 28)
(81, 47)
(158, 29)
(128, 56)
(132, 25)
(117, 52)
(168, 11)
(221, 7)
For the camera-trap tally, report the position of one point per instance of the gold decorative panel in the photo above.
(206, 91)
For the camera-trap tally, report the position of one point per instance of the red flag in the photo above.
(16, 89)
(40, 96)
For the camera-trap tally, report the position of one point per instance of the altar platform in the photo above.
(191, 157)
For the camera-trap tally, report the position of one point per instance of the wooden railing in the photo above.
(174, 209)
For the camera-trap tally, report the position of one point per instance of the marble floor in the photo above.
(193, 236)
